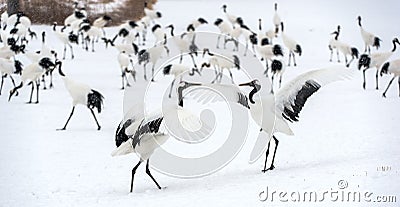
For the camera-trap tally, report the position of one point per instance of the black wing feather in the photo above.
(95, 100)
(309, 88)
(149, 127)
(243, 100)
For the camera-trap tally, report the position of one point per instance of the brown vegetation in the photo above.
(49, 11)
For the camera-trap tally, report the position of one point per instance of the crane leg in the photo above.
(348, 64)
(254, 50)
(218, 38)
(123, 80)
(245, 50)
(398, 80)
(230, 74)
(44, 82)
(224, 41)
(152, 73)
(266, 157)
(151, 176)
(384, 93)
(376, 79)
(51, 79)
(72, 112)
(94, 116)
(364, 82)
(37, 92)
(272, 83)
(170, 90)
(133, 174)
(30, 99)
(266, 70)
(12, 80)
(2, 81)
(273, 157)
(126, 77)
(144, 72)
(72, 52)
(194, 62)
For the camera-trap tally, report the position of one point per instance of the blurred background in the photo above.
(49, 11)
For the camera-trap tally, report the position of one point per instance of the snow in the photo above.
(344, 132)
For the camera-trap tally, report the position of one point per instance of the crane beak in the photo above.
(183, 86)
(247, 84)
(197, 71)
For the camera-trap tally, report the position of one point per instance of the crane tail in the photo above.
(377, 42)
(123, 149)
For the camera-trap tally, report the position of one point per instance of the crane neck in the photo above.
(256, 88)
(336, 35)
(43, 37)
(172, 30)
(394, 45)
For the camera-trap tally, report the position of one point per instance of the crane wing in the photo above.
(186, 126)
(290, 99)
(211, 93)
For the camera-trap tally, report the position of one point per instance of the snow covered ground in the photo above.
(345, 133)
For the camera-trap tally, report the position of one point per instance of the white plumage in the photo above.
(224, 28)
(375, 60)
(91, 34)
(368, 38)
(124, 60)
(230, 17)
(220, 63)
(347, 50)
(159, 34)
(33, 72)
(8, 68)
(333, 44)
(101, 22)
(151, 13)
(267, 52)
(78, 14)
(65, 39)
(276, 20)
(151, 55)
(178, 70)
(278, 67)
(81, 94)
(143, 134)
(3, 19)
(290, 44)
(271, 112)
(391, 67)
